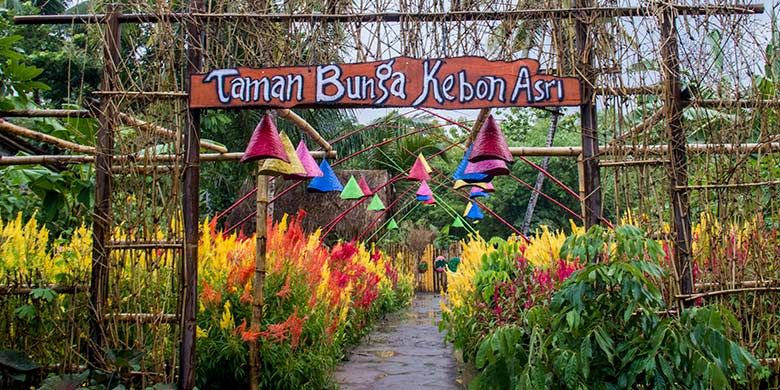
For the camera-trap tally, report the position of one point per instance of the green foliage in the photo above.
(607, 328)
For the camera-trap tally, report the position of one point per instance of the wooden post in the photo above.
(588, 121)
(191, 214)
(258, 299)
(678, 172)
(101, 230)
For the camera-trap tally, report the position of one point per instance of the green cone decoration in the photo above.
(392, 225)
(352, 190)
(458, 222)
(376, 204)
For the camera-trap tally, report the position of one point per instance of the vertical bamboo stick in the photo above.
(258, 299)
(101, 230)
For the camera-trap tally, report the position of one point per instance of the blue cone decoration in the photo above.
(328, 182)
(475, 212)
(423, 198)
(460, 171)
(477, 194)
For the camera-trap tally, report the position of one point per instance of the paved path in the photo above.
(405, 352)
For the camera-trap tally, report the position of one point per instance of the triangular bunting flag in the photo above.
(328, 182)
(376, 204)
(275, 167)
(423, 198)
(351, 190)
(424, 163)
(363, 184)
(430, 201)
(489, 187)
(392, 225)
(475, 212)
(458, 222)
(460, 171)
(418, 172)
(309, 165)
(490, 143)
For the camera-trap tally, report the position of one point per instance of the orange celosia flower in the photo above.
(209, 295)
(246, 296)
(250, 336)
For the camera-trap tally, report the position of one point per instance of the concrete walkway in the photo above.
(405, 352)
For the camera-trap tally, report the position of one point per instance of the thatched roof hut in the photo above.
(320, 208)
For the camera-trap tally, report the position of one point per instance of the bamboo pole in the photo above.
(11, 128)
(258, 299)
(641, 127)
(305, 126)
(162, 158)
(46, 113)
(397, 17)
(693, 297)
(159, 130)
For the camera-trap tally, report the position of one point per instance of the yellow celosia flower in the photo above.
(227, 317)
(200, 333)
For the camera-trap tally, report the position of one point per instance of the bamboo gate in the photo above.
(592, 41)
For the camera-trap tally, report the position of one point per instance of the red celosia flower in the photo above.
(284, 292)
(246, 296)
(241, 328)
(295, 325)
(250, 336)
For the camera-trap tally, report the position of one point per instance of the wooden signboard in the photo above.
(449, 83)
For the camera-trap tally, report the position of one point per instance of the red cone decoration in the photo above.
(490, 143)
(492, 167)
(418, 171)
(363, 184)
(265, 143)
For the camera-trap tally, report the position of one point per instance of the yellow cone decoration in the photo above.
(274, 167)
(424, 163)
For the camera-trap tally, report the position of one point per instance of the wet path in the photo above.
(405, 352)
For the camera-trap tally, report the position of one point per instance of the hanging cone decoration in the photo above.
(363, 184)
(418, 171)
(274, 167)
(352, 190)
(265, 143)
(309, 165)
(376, 204)
(458, 222)
(494, 167)
(468, 209)
(430, 201)
(392, 225)
(490, 143)
(489, 187)
(477, 192)
(424, 190)
(460, 171)
(423, 198)
(424, 163)
(461, 184)
(328, 182)
(474, 212)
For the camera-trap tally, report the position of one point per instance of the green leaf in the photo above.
(17, 361)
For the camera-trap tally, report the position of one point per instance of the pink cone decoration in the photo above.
(418, 171)
(363, 184)
(429, 201)
(490, 143)
(489, 187)
(265, 143)
(424, 190)
(494, 167)
(309, 165)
